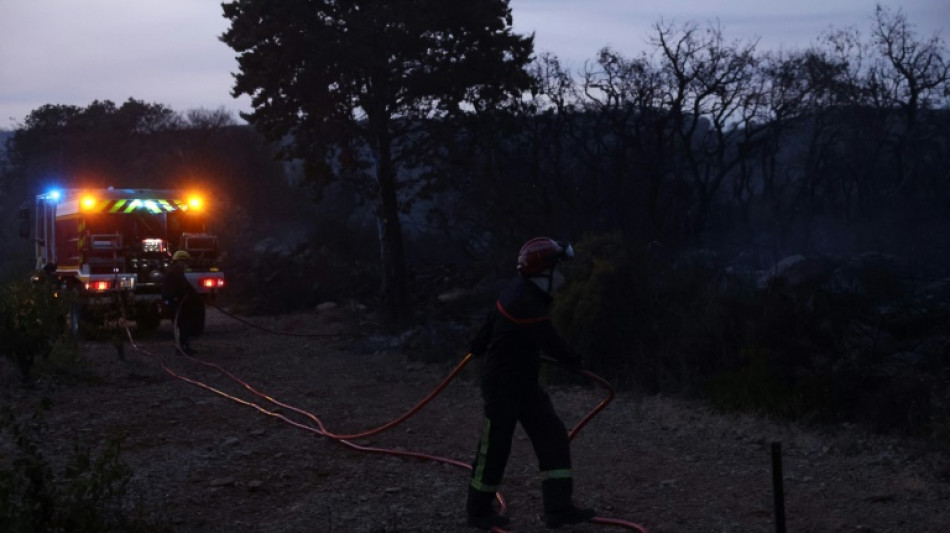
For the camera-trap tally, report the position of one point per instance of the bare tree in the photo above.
(914, 74)
(911, 75)
(707, 93)
(629, 145)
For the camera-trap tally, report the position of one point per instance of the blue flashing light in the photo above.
(53, 195)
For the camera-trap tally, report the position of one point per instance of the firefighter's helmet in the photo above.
(542, 253)
(181, 255)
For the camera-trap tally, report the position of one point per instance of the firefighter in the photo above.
(514, 335)
(180, 298)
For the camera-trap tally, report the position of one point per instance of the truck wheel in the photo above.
(200, 320)
(147, 319)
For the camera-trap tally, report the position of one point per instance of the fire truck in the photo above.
(109, 249)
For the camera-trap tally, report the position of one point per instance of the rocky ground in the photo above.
(210, 455)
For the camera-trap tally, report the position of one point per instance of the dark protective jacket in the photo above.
(515, 334)
(177, 292)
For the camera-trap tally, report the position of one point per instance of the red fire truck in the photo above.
(111, 247)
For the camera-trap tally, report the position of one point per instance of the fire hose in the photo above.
(320, 429)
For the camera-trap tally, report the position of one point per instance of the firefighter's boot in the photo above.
(559, 509)
(481, 513)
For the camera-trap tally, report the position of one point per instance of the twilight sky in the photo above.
(167, 51)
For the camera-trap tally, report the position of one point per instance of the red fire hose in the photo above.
(345, 439)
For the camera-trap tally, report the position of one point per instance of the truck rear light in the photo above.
(211, 283)
(99, 286)
(123, 282)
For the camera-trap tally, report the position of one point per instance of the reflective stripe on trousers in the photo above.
(547, 432)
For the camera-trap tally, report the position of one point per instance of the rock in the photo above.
(415, 366)
(452, 295)
(799, 271)
(326, 306)
(270, 246)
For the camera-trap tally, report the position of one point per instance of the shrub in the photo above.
(90, 494)
(806, 352)
(32, 321)
(650, 324)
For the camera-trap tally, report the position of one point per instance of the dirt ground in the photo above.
(217, 458)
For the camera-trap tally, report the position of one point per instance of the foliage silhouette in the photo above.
(358, 85)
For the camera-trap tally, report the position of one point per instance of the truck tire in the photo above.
(147, 319)
(200, 322)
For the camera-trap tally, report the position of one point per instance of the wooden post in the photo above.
(778, 490)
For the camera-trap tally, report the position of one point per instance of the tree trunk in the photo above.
(393, 290)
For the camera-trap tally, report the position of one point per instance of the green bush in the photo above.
(660, 323)
(760, 386)
(650, 325)
(32, 322)
(66, 363)
(90, 494)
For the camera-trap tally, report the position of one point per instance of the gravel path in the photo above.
(210, 463)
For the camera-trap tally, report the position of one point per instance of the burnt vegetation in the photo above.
(764, 229)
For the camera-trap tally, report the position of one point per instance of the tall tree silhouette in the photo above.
(354, 85)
